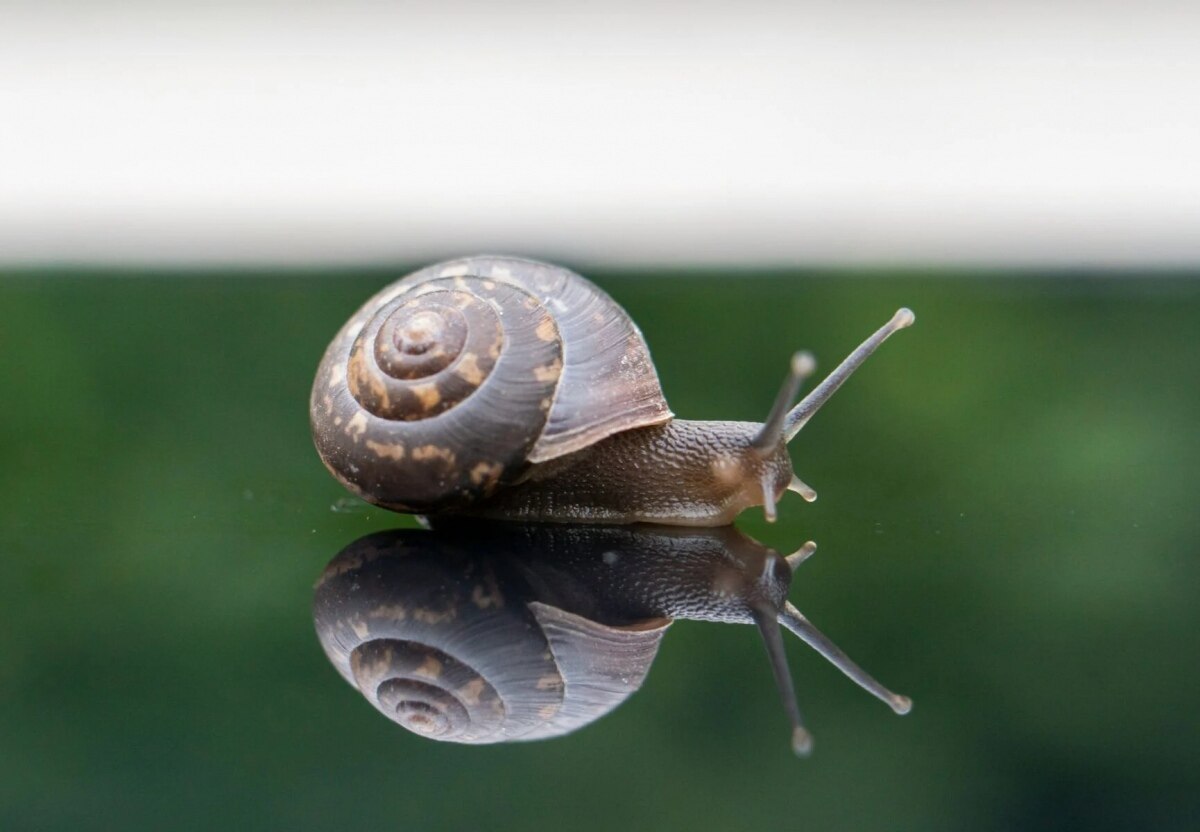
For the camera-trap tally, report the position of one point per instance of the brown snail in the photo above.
(513, 389)
(494, 632)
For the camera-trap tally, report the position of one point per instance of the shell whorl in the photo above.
(434, 642)
(429, 399)
(427, 691)
(456, 378)
(454, 647)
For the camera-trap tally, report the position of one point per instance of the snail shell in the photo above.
(458, 647)
(460, 376)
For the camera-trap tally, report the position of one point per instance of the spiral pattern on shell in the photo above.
(455, 647)
(454, 379)
(427, 691)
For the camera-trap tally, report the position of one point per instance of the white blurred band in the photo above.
(1015, 133)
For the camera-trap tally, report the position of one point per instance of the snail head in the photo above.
(766, 464)
(750, 584)
(770, 610)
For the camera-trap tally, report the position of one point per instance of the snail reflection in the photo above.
(497, 632)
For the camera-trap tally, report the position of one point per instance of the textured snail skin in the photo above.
(630, 573)
(684, 472)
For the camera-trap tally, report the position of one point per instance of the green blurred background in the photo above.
(1007, 526)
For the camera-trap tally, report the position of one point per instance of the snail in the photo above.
(512, 389)
(488, 632)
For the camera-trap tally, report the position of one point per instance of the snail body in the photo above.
(513, 389)
(483, 632)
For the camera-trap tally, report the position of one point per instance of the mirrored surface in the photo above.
(1007, 534)
(483, 632)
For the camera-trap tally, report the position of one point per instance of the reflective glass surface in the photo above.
(1007, 532)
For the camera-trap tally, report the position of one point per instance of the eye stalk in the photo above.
(770, 438)
(771, 435)
(784, 422)
(767, 622)
(804, 411)
(769, 617)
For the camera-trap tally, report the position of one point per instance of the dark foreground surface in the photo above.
(1008, 532)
